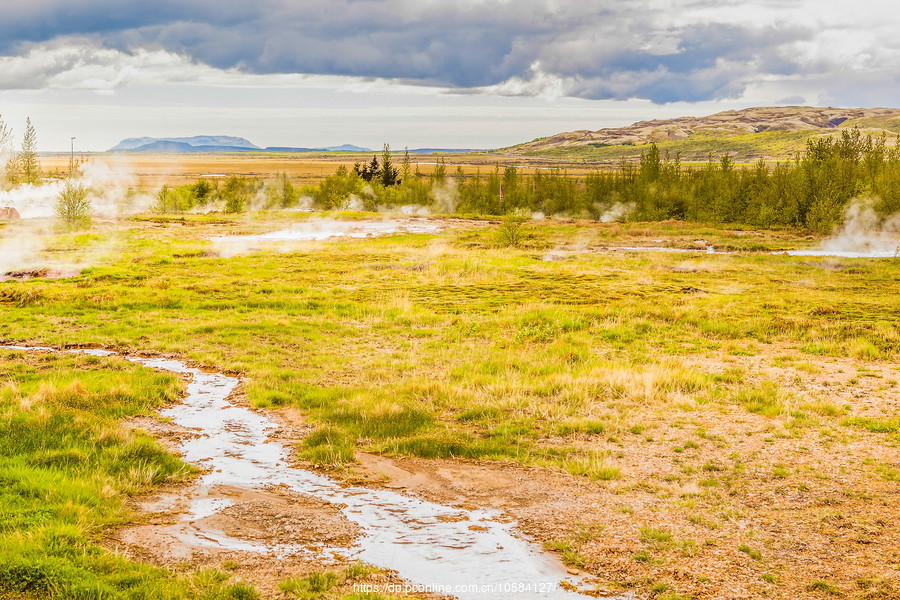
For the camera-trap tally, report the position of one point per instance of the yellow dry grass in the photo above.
(154, 170)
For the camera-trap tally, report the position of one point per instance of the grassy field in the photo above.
(737, 412)
(66, 467)
(745, 149)
(154, 170)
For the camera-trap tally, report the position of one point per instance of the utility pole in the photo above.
(72, 160)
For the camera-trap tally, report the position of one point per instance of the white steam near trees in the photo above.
(25, 180)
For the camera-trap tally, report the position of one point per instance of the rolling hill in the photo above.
(769, 133)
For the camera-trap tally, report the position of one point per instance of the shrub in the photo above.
(73, 207)
(511, 231)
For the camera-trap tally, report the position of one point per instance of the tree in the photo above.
(406, 165)
(12, 166)
(511, 233)
(439, 175)
(73, 207)
(390, 175)
(29, 167)
(237, 192)
(13, 173)
(5, 134)
(385, 172)
(368, 172)
(336, 190)
(202, 191)
(169, 200)
(281, 193)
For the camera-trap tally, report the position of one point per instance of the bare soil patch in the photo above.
(714, 502)
(41, 273)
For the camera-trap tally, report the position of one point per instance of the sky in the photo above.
(425, 73)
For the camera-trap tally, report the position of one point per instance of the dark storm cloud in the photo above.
(710, 61)
(600, 49)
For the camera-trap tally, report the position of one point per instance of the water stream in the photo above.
(470, 554)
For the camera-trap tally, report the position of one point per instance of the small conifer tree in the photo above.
(29, 166)
(390, 175)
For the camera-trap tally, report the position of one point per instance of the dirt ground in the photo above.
(720, 503)
(750, 509)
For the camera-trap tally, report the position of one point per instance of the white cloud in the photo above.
(85, 65)
(492, 72)
(538, 83)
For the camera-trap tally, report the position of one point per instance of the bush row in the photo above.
(811, 191)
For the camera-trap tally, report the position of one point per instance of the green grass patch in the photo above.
(444, 346)
(766, 400)
(66, 466)
(875, 425)
(750, 552)
(313, 586)
(655, 535)
(327, 446)
(594, 466)
(568, 552)
(825, 587)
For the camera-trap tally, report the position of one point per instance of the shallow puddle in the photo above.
(706, 250)
(318, 230)
(470, 554)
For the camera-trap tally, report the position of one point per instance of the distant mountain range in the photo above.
(214, 143)
(341, 148)
(226, 143)
(769, 133)
(197, 143)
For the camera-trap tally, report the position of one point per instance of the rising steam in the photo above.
(286, 240)
(616, 212)
(23, 242)
(863, 235)
(110, 185)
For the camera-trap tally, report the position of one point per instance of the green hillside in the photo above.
(769, 133)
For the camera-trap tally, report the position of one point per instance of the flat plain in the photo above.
(677, 424)
(154, 170)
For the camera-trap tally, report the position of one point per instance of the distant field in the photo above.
(154, 170)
